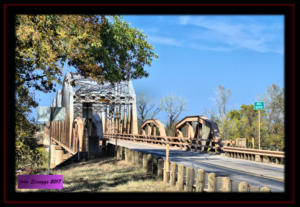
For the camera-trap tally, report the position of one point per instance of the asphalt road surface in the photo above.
(255, 173)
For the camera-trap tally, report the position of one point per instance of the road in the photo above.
(255, 173)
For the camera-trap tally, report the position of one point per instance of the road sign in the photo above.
(259, 105)
(44, 113)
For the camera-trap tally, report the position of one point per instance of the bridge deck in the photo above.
(255, 173)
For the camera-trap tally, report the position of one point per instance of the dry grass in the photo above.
(107, 174)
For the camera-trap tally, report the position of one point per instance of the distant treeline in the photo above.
(243, 123)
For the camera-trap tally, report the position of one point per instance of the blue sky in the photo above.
(243, 53)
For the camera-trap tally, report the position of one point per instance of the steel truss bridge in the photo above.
(97, 114)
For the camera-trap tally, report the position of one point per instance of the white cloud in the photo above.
(164, 40)
(203, 47)
(234, 33)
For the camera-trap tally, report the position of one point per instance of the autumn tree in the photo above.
(105, 48)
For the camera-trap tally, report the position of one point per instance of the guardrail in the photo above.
(265, 156)
(176, 142)
(183, 178)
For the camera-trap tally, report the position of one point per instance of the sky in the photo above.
(197, 53)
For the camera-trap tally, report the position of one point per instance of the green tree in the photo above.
(274, 106)
(235, 125)
(104, 48)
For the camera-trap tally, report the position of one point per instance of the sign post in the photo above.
(50, 114)
(259, 106)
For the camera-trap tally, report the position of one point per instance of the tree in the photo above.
(249, 120)
(173, 106)
(211, 114)
(235, 124)
(221, 99)
(145, 109)
(104, 48)
(274, 107)
(97, 46)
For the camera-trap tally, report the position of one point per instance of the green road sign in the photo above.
(259, 105)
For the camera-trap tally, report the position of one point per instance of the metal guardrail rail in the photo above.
(265, 156)
(254, 151)
(179, 142)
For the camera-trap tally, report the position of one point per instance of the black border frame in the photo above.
(10, 196)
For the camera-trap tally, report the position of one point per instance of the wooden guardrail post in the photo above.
(173, 173)
(149, 164)
(135, 157)
(154, 164)
(119, 153)
(180, 176)
(226, 184)
(122, 153)
(211, 182)
(243, 187)
(265, 189)
(189, 179)
(166, 171)
(145, 161)
(108, 149)
(126, 155)
(130, 157)
(160, 168)
(140, 158)
(200, 180)
(167, 165)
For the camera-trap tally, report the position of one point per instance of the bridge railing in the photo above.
(60, 135)
(184, 143)
(177, 142)
(180, 176)
(266, 156)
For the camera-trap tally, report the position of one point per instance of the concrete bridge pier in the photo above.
(52, 156)
(59, 156)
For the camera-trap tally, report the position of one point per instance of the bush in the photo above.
(28, 153)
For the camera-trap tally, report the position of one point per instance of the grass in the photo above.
(106, 174)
